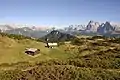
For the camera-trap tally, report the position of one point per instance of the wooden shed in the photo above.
(32, 51)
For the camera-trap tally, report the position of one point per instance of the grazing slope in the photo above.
(96, 58)
(12, 50)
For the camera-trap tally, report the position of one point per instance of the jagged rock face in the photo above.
(92, 26)
(79, 27)
(117, 27)
(75, 27)
(105, 28)
(100, 28)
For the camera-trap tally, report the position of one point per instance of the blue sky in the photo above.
(58, 12)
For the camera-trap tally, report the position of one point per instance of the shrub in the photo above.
(77, 42)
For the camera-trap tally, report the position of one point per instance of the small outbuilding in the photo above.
(32, 51)
(51, 45)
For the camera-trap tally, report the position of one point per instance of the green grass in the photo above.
(12, 51)
(88, 61)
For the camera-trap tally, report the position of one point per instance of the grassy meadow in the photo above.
(88, 58)
(13, 51)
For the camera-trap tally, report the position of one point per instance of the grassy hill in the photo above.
(93, 58)
(12, 50)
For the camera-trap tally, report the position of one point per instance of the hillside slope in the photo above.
(13, 50)
(57, 36)
(94, 58)
(101, 65)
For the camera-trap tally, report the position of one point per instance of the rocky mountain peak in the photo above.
(107, 22)
(105, 28)
(92, 26)
(91, 21)
(108, 26)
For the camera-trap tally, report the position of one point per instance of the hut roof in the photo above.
(31, 49)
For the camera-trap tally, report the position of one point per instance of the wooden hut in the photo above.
(32, 51)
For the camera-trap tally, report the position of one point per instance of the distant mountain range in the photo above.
(33, 31)
(92, 27)
(95, 27)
